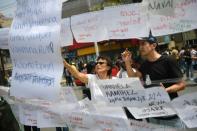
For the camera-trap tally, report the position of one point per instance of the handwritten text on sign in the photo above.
(186, 107)
(28, 114)
(126, 22)
(88, 27)
(184, 19)
(34, 38)
(122, 92)
(157, 99)
(162, 7)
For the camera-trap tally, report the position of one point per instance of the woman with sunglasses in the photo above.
(103, 69)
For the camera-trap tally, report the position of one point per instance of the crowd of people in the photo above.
(156, 66)
(186, 58)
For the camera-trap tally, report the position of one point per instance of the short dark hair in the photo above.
(109, 63)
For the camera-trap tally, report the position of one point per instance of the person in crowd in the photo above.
(182, 60)
(193, 55)
(90, 67)
(123, 74)
(103, 69)
(175, 53)
(160, 68)
(188, 60)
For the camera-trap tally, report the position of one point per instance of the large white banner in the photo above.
(184, 19)
(35, 49)
(4, 33)
(186, 108)
(66, 33)
(88, 27)
(126, 21)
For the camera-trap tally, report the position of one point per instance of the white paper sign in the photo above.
(157, 99)
(186, 107)
(184, 19)
(123, 92)
(35, 50)
(125, 22)
(68, 95)
(161, 7)
(108, 123)
(86, 105)
(88, 27)
(49, 119)
(28, 114)
(144, 126)
(80, 120)
(66, 34)
(4, 33)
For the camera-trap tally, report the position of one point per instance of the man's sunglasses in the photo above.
(100, 63)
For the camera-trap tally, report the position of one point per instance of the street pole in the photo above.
(96, 48)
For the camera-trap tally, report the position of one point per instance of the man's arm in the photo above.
(126, 56)
(72, 69)
(176, 87)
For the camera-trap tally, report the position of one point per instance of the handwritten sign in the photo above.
(124, 22)
(66, 33)
(144, 126)
(184, 19)
(157, 99)
(28, 114)
(68, 95)
(123, 92)
(80, 120)
(4, 38)
(186, 107)
(49, 119)
(161, 7)
(86, 105)
(108, 123)
(88, 27)
(35, 50)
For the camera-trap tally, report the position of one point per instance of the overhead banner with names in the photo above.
(126, 21)
(88, 27)
(184, 19)
(35, 49)
(186, 108)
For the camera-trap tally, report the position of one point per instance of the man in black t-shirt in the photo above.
(159, 68)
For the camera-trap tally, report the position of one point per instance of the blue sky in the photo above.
(7, 7)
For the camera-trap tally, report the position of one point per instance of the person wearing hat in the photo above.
(158, 68)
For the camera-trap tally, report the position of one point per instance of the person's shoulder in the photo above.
(91, 75)
(167, 58)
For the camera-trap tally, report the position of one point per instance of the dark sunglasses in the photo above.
(100, 63)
